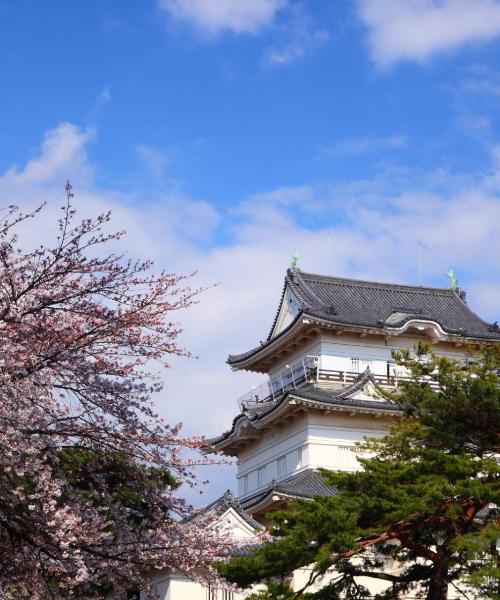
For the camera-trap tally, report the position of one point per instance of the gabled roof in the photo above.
(377, 306)
(220, 506)
(304, 485)
(313, 395)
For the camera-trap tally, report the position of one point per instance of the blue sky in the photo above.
(228, 120)
(226, 133)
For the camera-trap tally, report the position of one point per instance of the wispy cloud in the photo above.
(213, 17)
(364, 145)
(154, 160)
(295, 33)
(481, 80)
(476, 126)
(419, 29)
(105, 95)
(296, 36)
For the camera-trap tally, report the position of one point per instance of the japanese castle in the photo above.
(326, 360)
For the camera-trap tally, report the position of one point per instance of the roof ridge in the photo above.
(299, 288)
(226, 502)
(305, 484)
(376, 284)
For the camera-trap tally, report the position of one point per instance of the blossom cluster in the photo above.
(88, 470)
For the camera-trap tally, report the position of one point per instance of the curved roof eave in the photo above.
(246, 359)
(234, 360)
(339, 403)
(268, 499)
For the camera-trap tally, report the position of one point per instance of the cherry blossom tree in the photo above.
(88, 470)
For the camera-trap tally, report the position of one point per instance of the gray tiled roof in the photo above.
(380, 306)
(245, 550)
(224, 503)
(307, 484)
(340, 397)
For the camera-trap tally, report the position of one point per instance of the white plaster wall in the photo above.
(288, 311)
(332, 438)
(174, 586)
(301, 577)
(190, 590)
(374, 348)
(315, 440)
(285, 441)
(335, 351)
(232, 522)
(313, 348)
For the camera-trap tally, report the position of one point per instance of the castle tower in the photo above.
(327, 360)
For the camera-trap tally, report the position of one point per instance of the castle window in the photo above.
(261, 475)
(359, 365)
(227, 595)
(245, 483)
(281, 466)
(211, 592)
(300, 453)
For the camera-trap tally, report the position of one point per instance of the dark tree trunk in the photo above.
(438, 588)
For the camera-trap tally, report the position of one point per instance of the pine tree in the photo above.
(425, 501)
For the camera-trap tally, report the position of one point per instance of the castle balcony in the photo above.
(292, 376)
(308, 370)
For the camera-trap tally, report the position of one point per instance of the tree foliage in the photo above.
(88, 471)
(420, 516)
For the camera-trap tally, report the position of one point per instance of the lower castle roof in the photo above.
(304, 485)
(226, 502)
(342, 399)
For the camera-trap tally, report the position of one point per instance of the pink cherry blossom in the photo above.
(79, 331)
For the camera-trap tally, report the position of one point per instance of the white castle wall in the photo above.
(171, 585)
(325, 440)
(288, 441)
(175, 586)
(332, 438)
(335, 351)
(314, 440)
(313, 348)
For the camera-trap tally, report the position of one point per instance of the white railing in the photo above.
(307, 370)
(295, 373)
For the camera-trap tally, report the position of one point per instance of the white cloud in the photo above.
(367, 229)
(213, 17)
(63, 150)
(418, 29)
